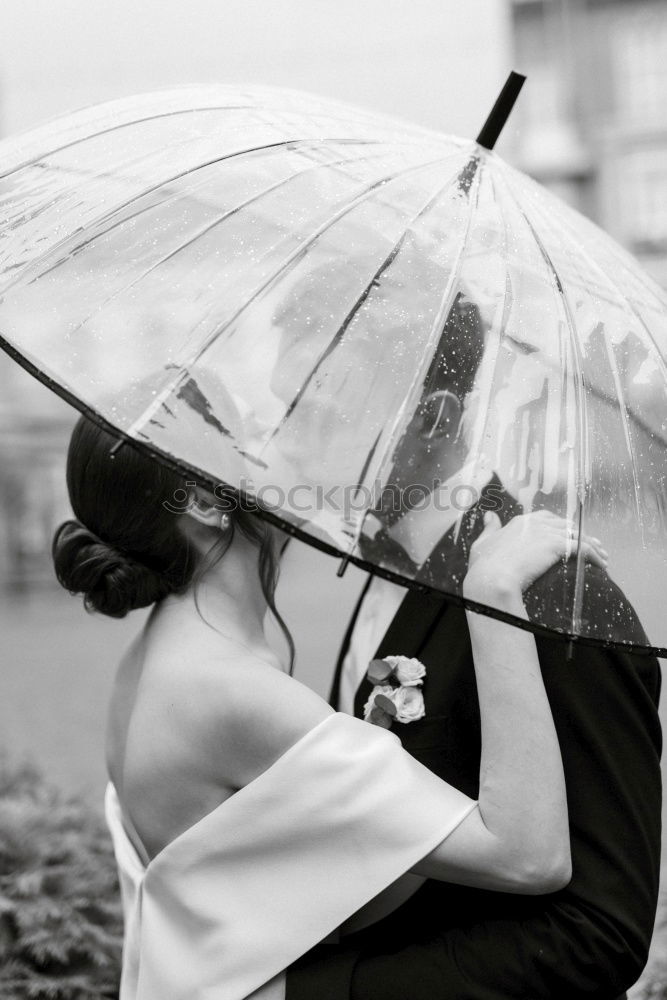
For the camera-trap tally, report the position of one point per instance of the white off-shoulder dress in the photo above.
(224, 908)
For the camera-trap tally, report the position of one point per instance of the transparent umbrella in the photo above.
(369, 330)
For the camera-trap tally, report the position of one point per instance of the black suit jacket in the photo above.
(590, 939)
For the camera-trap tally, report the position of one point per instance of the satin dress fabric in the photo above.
(224, 908)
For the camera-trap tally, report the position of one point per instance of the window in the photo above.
(639, 57)
(643, 193)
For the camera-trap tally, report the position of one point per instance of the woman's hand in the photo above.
(507, 560)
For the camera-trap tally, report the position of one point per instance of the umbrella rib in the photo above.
(101, 220)
(485, 391)
(619, 258)
(110, 174)
(104, 175)
(610, 245)
(367, 463)
(205, 229)
(49, 168)
(108, 131)
(341, 331)
(582, 417)
(625, 410)
(626, 428)
(628, 307)
(626, 303)
(35, 265)
(142, 121)
(411, 398)
(296, 254)
(366, 192)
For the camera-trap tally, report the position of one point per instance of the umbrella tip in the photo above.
(501, 110)
(342, 566)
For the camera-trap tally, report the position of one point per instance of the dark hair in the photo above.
(459, 352)
(125, 550)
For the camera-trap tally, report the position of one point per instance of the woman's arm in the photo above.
(517, 839)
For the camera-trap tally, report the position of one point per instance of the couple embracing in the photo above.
(477, 813)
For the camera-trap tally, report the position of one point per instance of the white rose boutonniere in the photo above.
(395, 696)
(409, 702)
(408, 671)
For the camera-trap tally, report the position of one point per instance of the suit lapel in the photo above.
(409, 631)
(411, 625)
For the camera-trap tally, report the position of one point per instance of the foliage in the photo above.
(60, 916)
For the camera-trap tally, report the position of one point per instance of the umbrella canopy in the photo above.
(370, 328)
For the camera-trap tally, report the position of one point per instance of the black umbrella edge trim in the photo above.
(171, 463)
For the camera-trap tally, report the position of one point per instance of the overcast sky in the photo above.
(437, 62)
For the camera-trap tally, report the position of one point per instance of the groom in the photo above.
(588, 940)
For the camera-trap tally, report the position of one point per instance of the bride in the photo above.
(249, 820)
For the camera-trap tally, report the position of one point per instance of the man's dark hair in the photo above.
(459, 352)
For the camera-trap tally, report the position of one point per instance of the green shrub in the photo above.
(60, 915)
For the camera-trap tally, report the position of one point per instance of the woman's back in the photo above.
(169, 751)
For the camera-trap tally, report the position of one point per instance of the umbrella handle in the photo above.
(501, 110)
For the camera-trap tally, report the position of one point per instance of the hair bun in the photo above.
(111, 581)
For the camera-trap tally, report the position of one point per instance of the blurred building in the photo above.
(593, 117)
(34, 430)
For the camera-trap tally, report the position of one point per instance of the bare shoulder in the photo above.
(228, 711)
(250, 711)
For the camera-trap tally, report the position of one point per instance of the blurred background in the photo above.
(591, 124)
